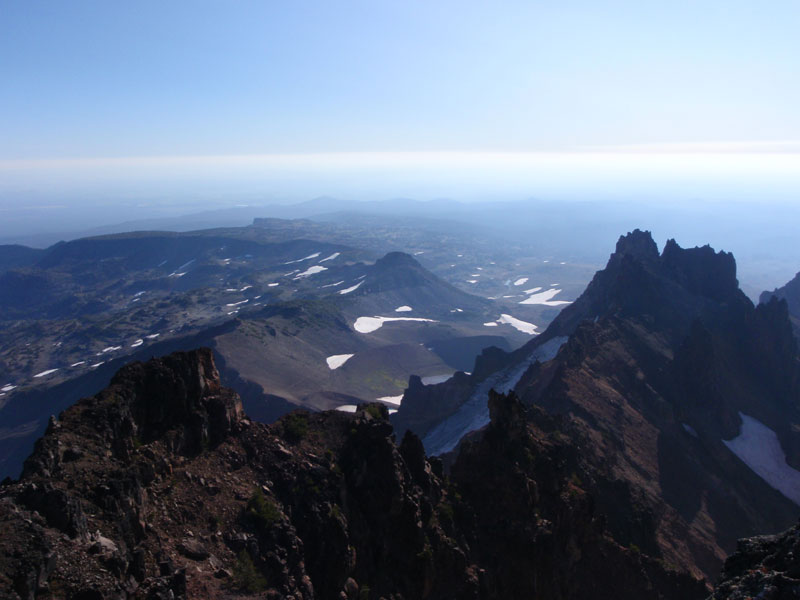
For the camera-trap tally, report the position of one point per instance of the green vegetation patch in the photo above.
(295, 426)
(245, 575)
(262, 510)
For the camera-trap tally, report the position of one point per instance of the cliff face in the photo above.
(668, 362)
(791, 294)
(160, 487)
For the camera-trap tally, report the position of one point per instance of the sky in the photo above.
(119, 99)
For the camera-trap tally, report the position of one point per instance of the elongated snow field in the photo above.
(45, 373)
(370, 324)
(351, 289)
(309, 257)
(474, 413)
(759, 448)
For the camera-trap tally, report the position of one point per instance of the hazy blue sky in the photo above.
(87, 81)
(144, 78)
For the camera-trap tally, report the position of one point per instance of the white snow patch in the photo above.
(351, 289)
(689, 429)
(247, 287)
(474, 274)
(272, 284)
(333, 284)
(419, 252)
(457, 310)
(370, 324)
(152, 336)
(309, 257)
(490, 324)
(759, 448)
(337, 360)
(532, 290)
(176, 274)
(45, 373)
(361, 276)
(184, 265)
(311, 271)
(472, 281)
(523, 326)
(348, 408)
(474, 413)
(111, 349)
(137, 294)
(78, 364)
(544, 298)
(521, 281)
(237, 303)
(331, 257)
(7, 388)
(161, 264)
(95, 365)
(231, 290)
(403, 308)
(137, 343)
(393, 400)
(392, 411)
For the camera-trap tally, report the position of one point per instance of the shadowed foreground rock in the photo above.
(763, 567)
(159, 487)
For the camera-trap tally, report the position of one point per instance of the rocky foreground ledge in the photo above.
(160, 487)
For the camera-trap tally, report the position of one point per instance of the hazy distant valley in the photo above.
(300, 312)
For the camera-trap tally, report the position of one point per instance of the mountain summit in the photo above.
(687, 395)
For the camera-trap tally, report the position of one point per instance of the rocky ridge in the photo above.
(160, 487)
(791, 294)
(664, 354)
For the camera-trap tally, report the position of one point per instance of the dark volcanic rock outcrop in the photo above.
(762, 567)
(663, 356)
(669, 356)
(791, 294)
(159, 487)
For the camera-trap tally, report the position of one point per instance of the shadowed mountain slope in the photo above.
(160, 487)
(676, 381)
